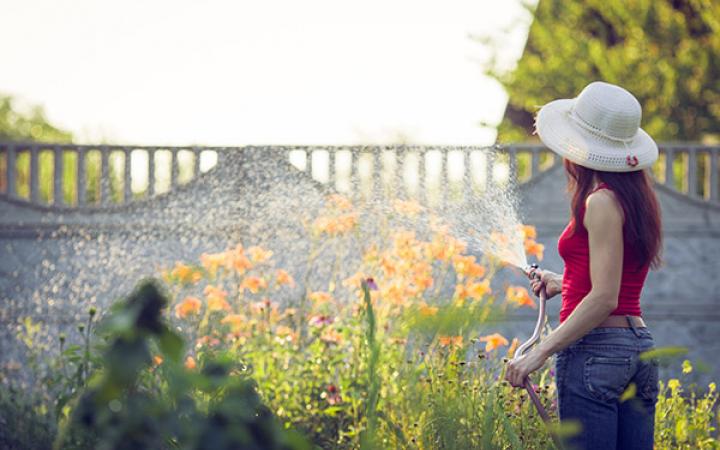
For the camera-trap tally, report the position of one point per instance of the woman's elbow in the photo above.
(609, 300)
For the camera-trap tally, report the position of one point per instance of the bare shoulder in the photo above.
(603, 209)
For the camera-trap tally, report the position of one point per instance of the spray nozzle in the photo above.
(530, 271)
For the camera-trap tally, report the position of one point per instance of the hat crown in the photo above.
(608, 110)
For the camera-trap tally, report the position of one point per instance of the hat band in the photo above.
(587, 127)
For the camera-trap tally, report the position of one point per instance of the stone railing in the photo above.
(88, 176)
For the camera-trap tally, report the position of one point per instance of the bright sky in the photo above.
(232, 72)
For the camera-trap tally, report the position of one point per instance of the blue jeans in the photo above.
(592, 374)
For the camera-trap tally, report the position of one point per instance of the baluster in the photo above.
(535, 161)
(421, 174)
(309, 162)
(127, 176)
(444, 177)
(196, 161)
(174, 168)
(714, 194)
(58, 176)
(34, 175)
(104, 175)
(81, 182)
(402, 166)
(489, 166)
(469, 177)
(692, 172)
(512, 164)
(10, 171)
(553, 159)
(332, 170)
(669, 175)
(376, 172)
(151, 172)
(354, 174)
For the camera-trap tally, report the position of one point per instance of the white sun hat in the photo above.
(598, 129)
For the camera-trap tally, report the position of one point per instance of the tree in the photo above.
(666, 52)
(27, 124)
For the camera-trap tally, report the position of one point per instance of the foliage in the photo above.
(27, 124)
(132, 402)
(667, 53)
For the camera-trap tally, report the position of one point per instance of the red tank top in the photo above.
(575, 252)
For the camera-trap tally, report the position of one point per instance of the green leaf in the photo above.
(171, 344)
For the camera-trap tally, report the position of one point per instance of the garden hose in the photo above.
(522, 349)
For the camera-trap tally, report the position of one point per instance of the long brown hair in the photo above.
(637, 198)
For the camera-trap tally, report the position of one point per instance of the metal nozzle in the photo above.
(530, 271)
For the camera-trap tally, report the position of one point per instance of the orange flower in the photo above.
(157, 360)
(283, 330)
(388, 266)
(479, 289)
(259, 255)
(462, 263)
(216, 298)
(346, 222)
(519, 296)
(465, 266)
(331, 336)
(394, 293)
(354, 281)
(408, 208)
(320, 297)
(253, 284)
(239, 261)
(213, 261)
(444, 248)
(493, 341)
(512, 348)
(500, 239)
(529, 231)
(181, 271)
(340, 202)
(234, 320)
(371, 254)
(457, 341)
(534, 248)
(196, 277)
(335, 226)
(191, 305)
(282, 277)
(426, 310)
(190, 363)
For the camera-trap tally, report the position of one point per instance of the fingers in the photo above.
(546, 276)
(536, 286)
(512, 375)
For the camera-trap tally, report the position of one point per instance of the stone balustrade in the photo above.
(98, 176)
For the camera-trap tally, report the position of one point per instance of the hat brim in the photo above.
(563, 136)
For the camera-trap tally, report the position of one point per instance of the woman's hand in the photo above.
(518, 369)
(550, 280)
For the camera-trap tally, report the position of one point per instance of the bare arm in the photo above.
(604, 221)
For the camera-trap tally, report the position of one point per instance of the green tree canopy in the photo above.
(27, 124)
(666, 52)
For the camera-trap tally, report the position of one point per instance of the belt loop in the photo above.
(632, 325)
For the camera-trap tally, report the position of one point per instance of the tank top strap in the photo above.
(602, 185)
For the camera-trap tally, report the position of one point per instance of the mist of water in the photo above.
(254, 199)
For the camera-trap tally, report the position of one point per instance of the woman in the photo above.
(612, 239)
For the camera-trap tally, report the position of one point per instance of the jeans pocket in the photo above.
(647, 377)
(606, 377)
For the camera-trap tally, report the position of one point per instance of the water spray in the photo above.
(531, 272)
